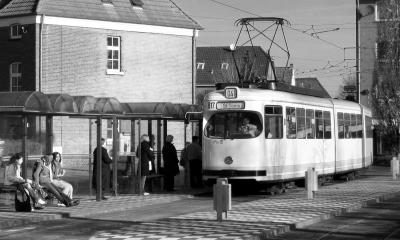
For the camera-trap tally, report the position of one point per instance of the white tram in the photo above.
(292, 132)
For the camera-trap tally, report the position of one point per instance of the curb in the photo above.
(322, 217)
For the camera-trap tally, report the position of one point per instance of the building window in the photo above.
(225, 66)
(15, 31)
(200, 66)
(15, 77)
(113, 55)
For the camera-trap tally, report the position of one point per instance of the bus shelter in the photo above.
(25, 104)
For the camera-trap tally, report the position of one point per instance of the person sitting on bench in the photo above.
(43, 176)
(13, 178)
(58, 172)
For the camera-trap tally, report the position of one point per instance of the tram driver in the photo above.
(248, 128)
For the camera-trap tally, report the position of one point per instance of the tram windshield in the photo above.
(233, 125)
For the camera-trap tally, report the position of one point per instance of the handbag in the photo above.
(22, 200)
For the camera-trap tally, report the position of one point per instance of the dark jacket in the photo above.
(170, 159)
(105, 168)
(146, 155)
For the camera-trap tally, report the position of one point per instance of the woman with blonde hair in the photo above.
(58, 172)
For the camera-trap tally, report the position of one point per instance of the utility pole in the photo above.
(357, 53)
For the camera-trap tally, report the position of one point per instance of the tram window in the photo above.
(359, 126)
(273, 122)
(327, 125)
(233, 125)
(346, 122)
(319, 123)
(291, 122)
(301, 123)
(353, 126)
(368, 127)
(310, 124)
(340, 125)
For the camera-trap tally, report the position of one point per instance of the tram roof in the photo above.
(254, 94)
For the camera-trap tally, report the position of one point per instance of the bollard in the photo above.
(311, 182)
(394, 165)
(222, 198)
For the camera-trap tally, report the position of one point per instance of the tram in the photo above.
(266, 135)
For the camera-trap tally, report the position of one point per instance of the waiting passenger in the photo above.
(58, 172)
(43, 175)
(248, 128)
(13, 177)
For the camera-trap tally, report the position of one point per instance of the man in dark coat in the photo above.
(105, 169)
(171, 168)
(146, 156)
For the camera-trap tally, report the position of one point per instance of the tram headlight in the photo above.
(228, 160)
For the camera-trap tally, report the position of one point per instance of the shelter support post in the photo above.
(150, 128)
(159, 125)
(140, 159)
(115, 155)
(49, 134)
(133, 188)
(165, 133)
(90, 157)
(98, 161)
(24, 146)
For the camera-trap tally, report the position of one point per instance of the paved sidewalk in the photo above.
(250, 220)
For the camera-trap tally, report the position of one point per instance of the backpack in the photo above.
(22, 200)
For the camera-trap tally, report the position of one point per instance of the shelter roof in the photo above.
(63, 103)
(25, 102)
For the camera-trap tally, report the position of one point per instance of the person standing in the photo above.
(105, 169)
(193, 152)
(146, 156)
(171, 168)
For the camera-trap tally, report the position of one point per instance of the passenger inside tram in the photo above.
(248, 128)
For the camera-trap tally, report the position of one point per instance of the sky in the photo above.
(321, 36)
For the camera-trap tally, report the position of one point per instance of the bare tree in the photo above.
(386, 87)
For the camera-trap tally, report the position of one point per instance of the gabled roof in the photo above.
(312, 83)
(214, 57)
(152, 12)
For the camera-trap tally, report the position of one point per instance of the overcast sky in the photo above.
(329, 58)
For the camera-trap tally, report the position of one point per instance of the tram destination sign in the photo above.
(230, 105)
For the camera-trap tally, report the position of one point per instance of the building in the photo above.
(368, 15)
(222, 65)
(133, 50)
